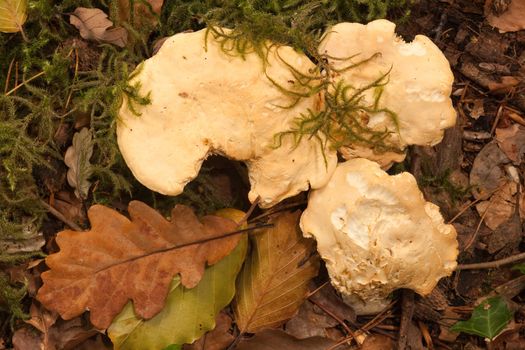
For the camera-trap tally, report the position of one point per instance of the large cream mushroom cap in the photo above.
(419, 82)
(206, 101)
(377, 233)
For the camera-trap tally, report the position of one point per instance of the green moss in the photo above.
(61, 90)
(11, 298)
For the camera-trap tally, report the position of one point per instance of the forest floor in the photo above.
(486, 147)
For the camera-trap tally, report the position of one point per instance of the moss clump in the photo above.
(10, 299)
(49, 81)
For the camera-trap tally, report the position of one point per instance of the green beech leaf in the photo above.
(488, 319)
(13, 14)
(520, 268)
(188, 313)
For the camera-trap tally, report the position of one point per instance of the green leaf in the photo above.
(13, 14)
(488, 319)
(172, 347)
(188, 313)
(520, 268)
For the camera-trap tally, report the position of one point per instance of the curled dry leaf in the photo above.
(13, 14)
(121, 259)
(94, 24)
(274, 280)
(77, 159)
(512, 142)
(509, 20)
(487, 175)
(500, 207)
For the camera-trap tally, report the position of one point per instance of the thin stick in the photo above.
(74, 79)
(316, 290)
(492, 264)
(496, 121)
(249, 212)
(199, 241)
(475, 234)
(465, 209)
(24, 82)
(334, 316)
(276, 210)
(407, 312)
(8, 75)
(60, 217)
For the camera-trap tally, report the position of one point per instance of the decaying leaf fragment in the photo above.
(13, 14)
(509, 19)
(121, 259)
(274, 280)
(94, 24)
(77, 159)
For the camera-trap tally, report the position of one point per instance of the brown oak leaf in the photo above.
(121, 259)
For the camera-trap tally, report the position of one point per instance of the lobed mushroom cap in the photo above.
(377, 233)
(205, 101)
(419, 82)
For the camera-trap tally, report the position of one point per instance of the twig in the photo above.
(496, 121)
(407, 311)
(8, 75)
(74, 78)
(316, 290)
(60, 217)
(492, 264)
(426, 335)
(464, 210)
(23, 83)
(249, 212)
(334, 316)
(199, 241)
(278, 209)
(475, 234)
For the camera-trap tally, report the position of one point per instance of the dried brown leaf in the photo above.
(310, 321)
(94, 24)
(507, 84)
(274, 280)
(273, 339)
(77, 159)
(26, 338)
(508, 19)
(487, 175)
(378, 342)
(121, 259)
(500, 207)
(217, 339)
(512, 141)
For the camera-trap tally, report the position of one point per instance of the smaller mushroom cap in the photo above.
(377, 233)
(419, 82)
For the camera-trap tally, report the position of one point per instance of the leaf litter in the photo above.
(501, 80)
(93, 24)
(121, 259)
